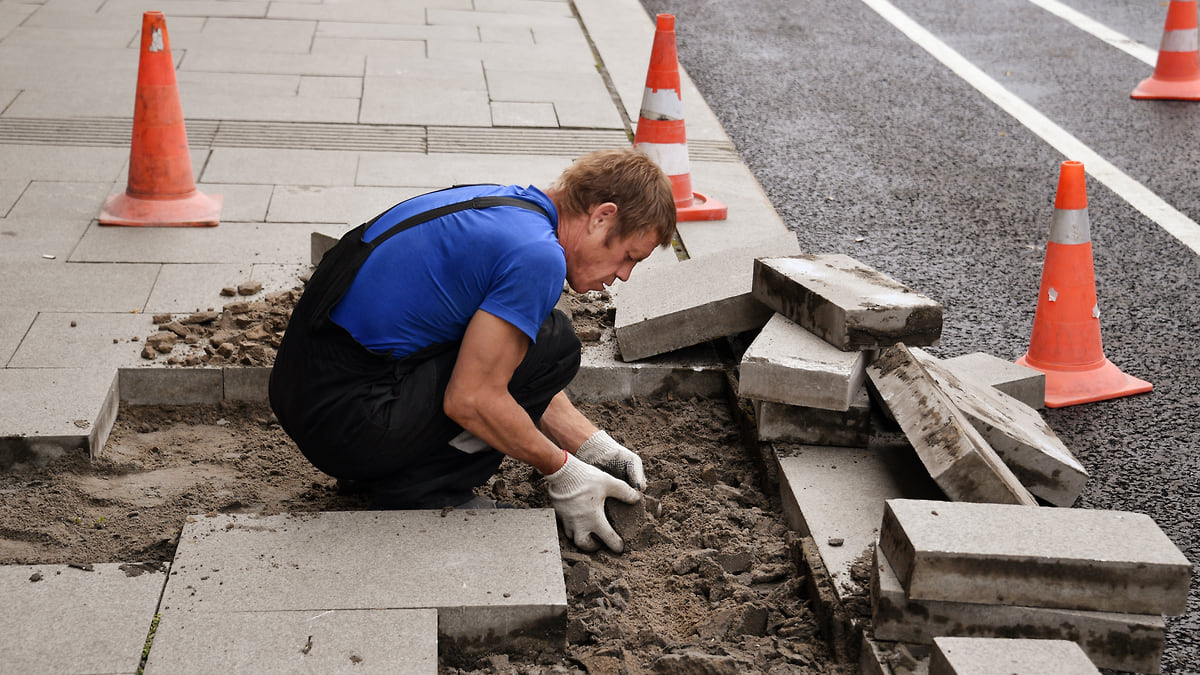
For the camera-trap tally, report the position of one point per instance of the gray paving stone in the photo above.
(60, 200)
(55, 286)
(346, 65)
(816, 426)
(837, 495)
(1108, 561)
(14, 323)
(663, 309)
(991, 656)
(350, 205)
(245, 384)
(31, 239)
(11, 188)
(364, 12)
(329, 87)
(76, 621)
(379, 640)
(198, 84)
(850, 305)
(171, 386)
(693, 371)
(953, 451)
(788, 364)
(520, 114)
(750, 218)
(183, 8)
(1129, 642)
(281, 167)
(61, 163)
(560, 20)
(393, 101)
(273, 109)
(280, 243)
(243, 203)
(95, 341)
(406, 49)
(445, 169)
(507, 580)
(396, 31)
(1024, 384)
(450, 73)
(1016, 432)
(45, 412)
(243, 34)
(186, 288)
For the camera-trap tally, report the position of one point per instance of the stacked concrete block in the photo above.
(1018, 434)
(956, 455)
(850, 305)
(816, 426)
(1024, 384)
(991, 656)
(1120, 641)
(788, 364)
(666, 308)
(1101, 579)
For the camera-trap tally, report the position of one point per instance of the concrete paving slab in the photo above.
(62, 619)
(392, 101)
(186, 288)
(273, 109)
(521, 35)
(344, 65)
(837, 495)
(363, 12)
(351, 205)
(229, 242)
(816, 426)
(520, 114)
(991, 656)
(30, 239)
(540, 16)
(329, 87)
(92, 97)
(14, 323)
(1128, 642)
(788, 364)
(1108, 561)
(380, 640)
(170, 386)
(444, 169)
(57, 286)
(62, 163)
(750, 219)
(60, 200)
(94, 341)
(953, 451)
(184, 8)
(693, 371)
(507, 580)
(849, 304)
(1024, 384)
(224, 34)
(667, 308)
(199, 84)
(405, 49)
(281, 167)
(10, 189)
(450, 73)
(242, 203)
(245, 384)
(47, 412)
(1018, 434)
(395, 31)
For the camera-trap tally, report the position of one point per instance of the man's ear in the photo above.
(606, 212)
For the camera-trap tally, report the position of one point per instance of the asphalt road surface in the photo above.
(872, 139)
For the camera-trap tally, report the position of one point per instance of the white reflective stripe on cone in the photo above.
(662, 105)
(1180, 41)
(1070, 226)
(672, 158)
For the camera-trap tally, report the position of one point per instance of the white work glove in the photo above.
(577, 492)
(602, 451)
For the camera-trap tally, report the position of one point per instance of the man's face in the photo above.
(601, 260)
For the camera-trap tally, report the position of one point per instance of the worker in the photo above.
(426, 346)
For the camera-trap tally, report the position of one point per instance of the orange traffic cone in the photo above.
(1065, 344)
(660, 129)
(1177, 71)
(161, 191)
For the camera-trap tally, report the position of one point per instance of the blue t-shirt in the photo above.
(422, 286)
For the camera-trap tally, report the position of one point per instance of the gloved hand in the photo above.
(602, 451)
(577, 492)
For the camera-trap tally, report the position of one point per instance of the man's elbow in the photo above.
(461, 406)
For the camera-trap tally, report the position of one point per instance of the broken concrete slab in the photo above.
(880, 657)
(77, 619)
(1018, 434)
(379, 640)
(850, 305)
(692, 371)
(986, 656)
(816, 426)
(506, 586)
(956, 455)
(1024, 384)
(1129, 642)
(667, 308)
(836, 496)
(1003, 554)
(788, 364)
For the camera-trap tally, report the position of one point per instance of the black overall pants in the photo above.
(366, 416)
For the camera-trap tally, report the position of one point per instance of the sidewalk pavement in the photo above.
(306, 116)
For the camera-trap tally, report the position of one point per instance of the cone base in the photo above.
(1175, 90)
(702, 208)
(1072, 387)
(194, 210)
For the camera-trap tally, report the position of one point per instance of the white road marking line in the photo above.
(1137, 195)
(1137, 50)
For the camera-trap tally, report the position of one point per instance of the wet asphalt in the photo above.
(868, 146)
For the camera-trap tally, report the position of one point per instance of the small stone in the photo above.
(836, 541)
(162, 318)
(148, 352)
(229, 291)
(36, 577)
(73, 324)
(249, 287)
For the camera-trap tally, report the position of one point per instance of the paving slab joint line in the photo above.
(604, 74)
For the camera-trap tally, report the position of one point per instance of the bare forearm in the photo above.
(563, 422)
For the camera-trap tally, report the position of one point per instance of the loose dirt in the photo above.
(707, 583)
